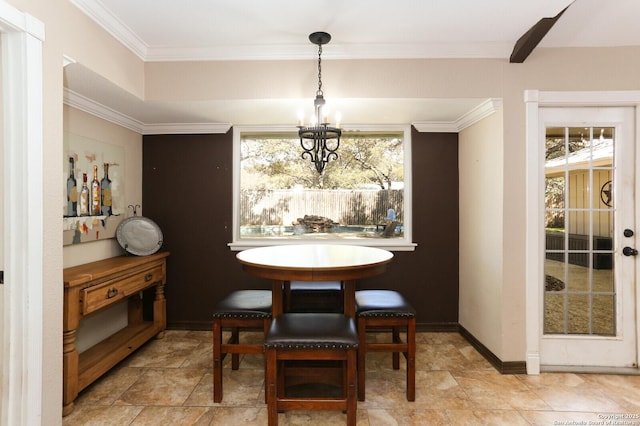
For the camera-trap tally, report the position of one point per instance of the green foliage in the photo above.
(364, 160)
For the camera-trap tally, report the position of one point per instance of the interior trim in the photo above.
(504, 367)
(480, 112)
(82, 103)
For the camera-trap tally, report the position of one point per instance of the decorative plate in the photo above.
(139, 235)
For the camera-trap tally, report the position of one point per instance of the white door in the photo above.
(588, 309)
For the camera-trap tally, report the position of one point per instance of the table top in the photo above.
(314, 256)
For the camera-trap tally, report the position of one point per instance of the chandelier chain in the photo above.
(319, 92)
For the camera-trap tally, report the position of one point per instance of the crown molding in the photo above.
(96, 109)
(99, 110)
(436, 126)
(95, 10)
(480, 112)
(185, 128)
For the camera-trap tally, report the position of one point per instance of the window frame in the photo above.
(394, 244)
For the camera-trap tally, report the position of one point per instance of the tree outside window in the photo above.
(360, 195)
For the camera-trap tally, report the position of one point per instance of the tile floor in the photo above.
(169, 382)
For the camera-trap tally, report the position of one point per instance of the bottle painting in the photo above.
(72, 190)
(94, 207)
(105, 195)
(83, 202)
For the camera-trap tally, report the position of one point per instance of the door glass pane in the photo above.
(579, 310)
(580, 292)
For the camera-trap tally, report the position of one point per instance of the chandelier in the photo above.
(319, 141)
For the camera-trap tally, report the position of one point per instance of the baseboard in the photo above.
(451, 327)
(439, 327)
(504, 367)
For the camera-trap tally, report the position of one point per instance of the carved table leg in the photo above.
(160, 311)
(70, 359)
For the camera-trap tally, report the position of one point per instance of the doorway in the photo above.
(581, 280)
(22, 145)
(588, 305)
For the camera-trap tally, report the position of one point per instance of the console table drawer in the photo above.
(97, 297)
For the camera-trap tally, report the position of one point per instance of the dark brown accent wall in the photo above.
(187, 190)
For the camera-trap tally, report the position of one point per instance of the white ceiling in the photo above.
(170, 30)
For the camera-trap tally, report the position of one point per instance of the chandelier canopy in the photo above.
(319, 140)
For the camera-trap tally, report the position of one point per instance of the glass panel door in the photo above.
(588, 290)
(579, 295)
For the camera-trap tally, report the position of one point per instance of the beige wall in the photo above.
(349, 79)
(89, 126)
(481, 195)
(99, 326)
(67, 32)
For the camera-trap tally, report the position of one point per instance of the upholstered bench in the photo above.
(386, 309)
(240, 311)
(310, 337)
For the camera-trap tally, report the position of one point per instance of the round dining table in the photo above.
(314, 262)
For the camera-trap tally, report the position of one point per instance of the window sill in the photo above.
(387, 244)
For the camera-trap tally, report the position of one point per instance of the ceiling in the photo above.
(168, 30)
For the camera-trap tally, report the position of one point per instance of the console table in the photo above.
(94, 286)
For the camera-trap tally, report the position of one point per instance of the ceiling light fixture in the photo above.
(319, 141)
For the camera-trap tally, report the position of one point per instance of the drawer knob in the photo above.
(148, 277)
(112, 292)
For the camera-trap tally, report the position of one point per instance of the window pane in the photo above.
(359, 195)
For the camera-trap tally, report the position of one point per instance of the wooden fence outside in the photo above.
(346, 207)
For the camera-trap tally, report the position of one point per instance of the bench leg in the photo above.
(362, 356)
(411, 360)
(271, 380)
(217, 360)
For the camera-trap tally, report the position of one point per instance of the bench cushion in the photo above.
(312, 331)
(310, 286)
(244, 304)
(382, 303)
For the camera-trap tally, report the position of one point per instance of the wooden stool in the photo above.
(313, 337)
(314, 296)
(378, 309)
(240, 310)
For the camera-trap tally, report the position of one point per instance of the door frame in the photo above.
(22, 79)
(534, 234)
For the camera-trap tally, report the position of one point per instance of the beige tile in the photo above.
(174, 416)
(109, 387)
(171, 351)
(485, 418)
(406, 416)
(624, 389)
(239, 416)
(545, 418)
(162, 386)
(491, 390)
(169, 381)
(579, 399)
(242, 387)
(100, 415)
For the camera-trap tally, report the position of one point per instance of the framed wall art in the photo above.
(93, 202)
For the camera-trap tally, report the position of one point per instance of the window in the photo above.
(362, 197)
